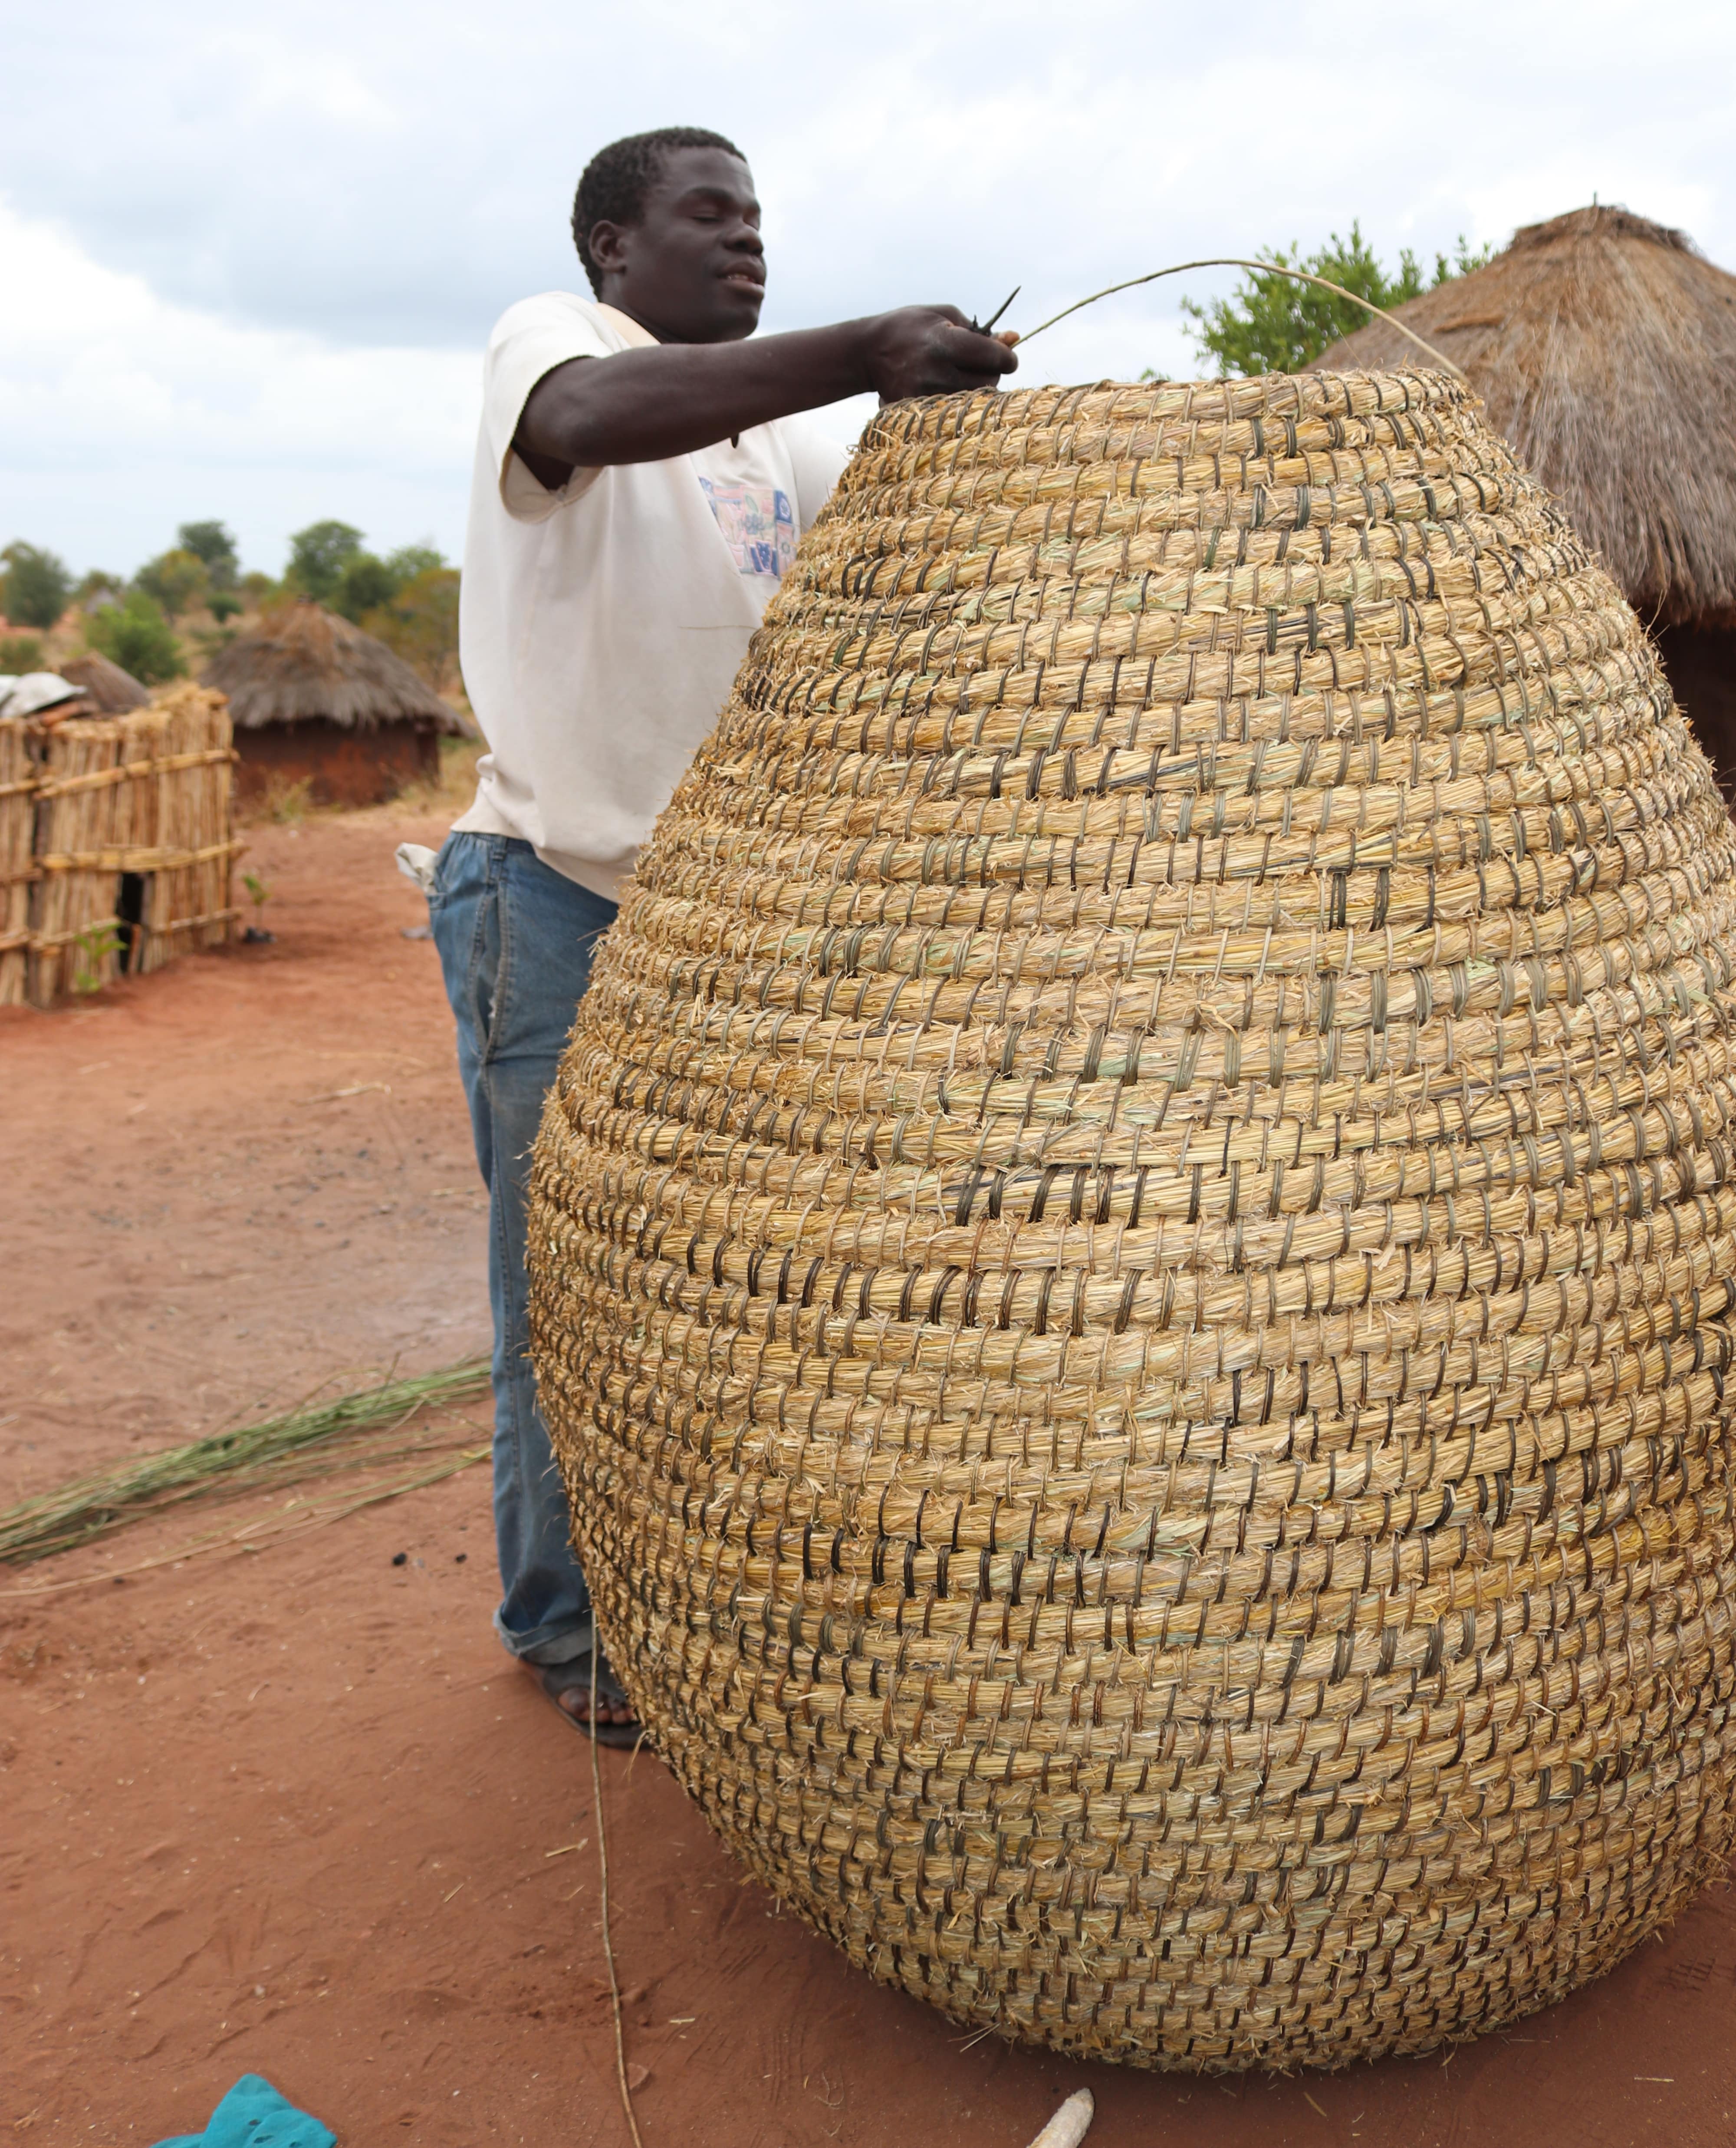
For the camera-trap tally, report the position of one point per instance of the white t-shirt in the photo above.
(601, 626)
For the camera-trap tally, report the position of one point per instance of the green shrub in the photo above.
(177, 580)
(135, 634)
(420, 625)
(34, 588)
(20, 652)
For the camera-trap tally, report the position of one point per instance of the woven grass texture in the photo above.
(144, 796)
(1132, 1253)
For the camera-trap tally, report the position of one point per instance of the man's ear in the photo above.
(604, 241)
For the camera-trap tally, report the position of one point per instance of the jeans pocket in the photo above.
(434, 887)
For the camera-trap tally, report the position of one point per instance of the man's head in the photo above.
(668, 229)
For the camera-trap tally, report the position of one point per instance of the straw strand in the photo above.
(1265, 268)
(303, 1442)
(615, 1989)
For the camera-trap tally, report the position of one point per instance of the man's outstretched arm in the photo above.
(641, 406)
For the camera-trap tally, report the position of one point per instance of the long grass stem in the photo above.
(305, 1441)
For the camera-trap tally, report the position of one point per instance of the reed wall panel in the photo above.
(18, 869)
(134, 850)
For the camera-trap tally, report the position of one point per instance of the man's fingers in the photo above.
(934, 350)
(982, 352)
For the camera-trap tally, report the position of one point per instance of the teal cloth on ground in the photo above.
(253, 2114)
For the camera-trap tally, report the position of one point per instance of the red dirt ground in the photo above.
(294, 1812)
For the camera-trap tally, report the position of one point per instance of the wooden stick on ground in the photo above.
(1070, 2124)
(615, 1987)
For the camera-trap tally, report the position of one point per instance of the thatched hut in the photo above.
(315, 700)
(112, 691)
(1604, 347)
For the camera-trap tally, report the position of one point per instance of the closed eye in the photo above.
(704, 207)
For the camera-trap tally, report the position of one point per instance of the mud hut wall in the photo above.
(18, 868)
(341, 764)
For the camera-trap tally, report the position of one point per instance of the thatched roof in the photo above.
(304, 662)
(114, 691)
(1604, 348)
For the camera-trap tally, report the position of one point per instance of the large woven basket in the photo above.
(1132, 1253)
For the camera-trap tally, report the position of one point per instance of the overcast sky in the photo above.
(249, 259)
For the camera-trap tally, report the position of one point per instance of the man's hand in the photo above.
(932, 350)
(646, 405)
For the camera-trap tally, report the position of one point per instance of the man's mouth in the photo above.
(746, 278)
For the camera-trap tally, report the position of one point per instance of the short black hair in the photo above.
(613, 187)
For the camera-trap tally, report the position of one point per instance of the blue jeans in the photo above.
(516, 939)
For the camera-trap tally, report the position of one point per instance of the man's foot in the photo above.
(568, 1685)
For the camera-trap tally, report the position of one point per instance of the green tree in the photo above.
(177, 580)
(258, 591)
(409, 560)
(135, 634)
(1273, 323)
(420, 625)
(36, 585)
(212, 543)
(318, 556)
(99, 587)
(365, 584)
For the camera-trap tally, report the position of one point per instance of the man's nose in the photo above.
(744, 239)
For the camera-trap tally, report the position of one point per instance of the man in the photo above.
(641, 482)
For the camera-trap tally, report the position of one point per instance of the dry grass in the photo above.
(301, 660)
(311, 1440)
(1604, 348)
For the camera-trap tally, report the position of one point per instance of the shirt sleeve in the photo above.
(818, 462)
(530, 340)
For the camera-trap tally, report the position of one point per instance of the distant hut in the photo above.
(316, 700)
(1604, 348)
(111, 690)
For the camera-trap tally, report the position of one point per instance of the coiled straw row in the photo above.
(1133, 1253)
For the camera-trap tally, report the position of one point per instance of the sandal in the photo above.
(558, 1679)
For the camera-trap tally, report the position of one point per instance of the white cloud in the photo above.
(284, 76)
(122, 414)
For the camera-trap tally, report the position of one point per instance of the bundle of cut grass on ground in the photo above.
(313, 1438)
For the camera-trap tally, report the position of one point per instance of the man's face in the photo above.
(693, 269)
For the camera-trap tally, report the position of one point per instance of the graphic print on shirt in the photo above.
(758, 522)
